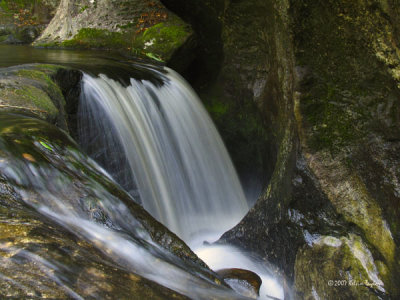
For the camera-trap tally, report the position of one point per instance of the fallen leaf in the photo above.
(28, 157)
(46, 145)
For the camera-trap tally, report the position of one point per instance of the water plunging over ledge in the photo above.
(158, 142)
(161, 138)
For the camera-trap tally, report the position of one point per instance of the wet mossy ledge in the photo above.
(40, 90)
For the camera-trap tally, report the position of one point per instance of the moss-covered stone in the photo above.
(28, 98)
(348, 115)
(31, 89)
(49, 92)
(338, 268)
(95, 38)
(161, 40)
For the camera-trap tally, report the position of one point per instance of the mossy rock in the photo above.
(339, 268)
(163, 39)
(31, 89)
(88, 38)
(133, 27)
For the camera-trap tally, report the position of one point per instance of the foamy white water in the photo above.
(171, 150)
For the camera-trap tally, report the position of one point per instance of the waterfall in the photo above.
(157, 140)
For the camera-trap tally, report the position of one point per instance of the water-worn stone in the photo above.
(244, 281)
(29, 244)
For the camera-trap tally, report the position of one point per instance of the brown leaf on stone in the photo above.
(28, 157)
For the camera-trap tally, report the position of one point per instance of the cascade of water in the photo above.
(43, 169)
(163, 141)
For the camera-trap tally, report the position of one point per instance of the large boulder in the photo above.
(133, 27)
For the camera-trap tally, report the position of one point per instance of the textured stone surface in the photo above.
(31, 89)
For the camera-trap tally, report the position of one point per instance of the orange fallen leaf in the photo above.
(28, 157)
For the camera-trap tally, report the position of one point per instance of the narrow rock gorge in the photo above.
(305, 95)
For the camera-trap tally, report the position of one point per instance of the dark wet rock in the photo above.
(243, 281)
(30, 245)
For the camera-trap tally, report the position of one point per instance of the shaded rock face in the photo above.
(324, 76)
(133, 27)
(230, 77)
(21, 22)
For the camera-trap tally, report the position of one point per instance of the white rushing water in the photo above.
(166, 143)
(158, 141)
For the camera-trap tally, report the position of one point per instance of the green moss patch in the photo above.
(336, 268)
(30, 98)
(340, 44)
(241, 127)
(162, 39)
(96, 38)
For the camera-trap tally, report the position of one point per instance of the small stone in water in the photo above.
(244, 282)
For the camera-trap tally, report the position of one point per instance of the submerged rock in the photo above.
(40, 259)
(243, 281)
